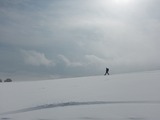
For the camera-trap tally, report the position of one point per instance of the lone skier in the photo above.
(107, 71)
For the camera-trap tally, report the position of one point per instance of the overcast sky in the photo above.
(44, 39)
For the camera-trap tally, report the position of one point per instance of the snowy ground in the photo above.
(133, 96)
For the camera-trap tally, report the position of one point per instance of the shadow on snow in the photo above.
(66, 104)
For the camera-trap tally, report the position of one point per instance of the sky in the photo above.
(48, 39)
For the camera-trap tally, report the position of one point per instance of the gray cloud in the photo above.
(36, 59)
(68, 62)
(78, 38)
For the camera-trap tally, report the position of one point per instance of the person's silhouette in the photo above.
(107, 71)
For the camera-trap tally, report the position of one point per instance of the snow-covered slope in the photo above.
(133, 96)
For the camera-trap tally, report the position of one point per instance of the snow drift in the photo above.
(133, 96)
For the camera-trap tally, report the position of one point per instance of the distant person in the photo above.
(107, 71)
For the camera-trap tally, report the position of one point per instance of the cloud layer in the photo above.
(36, 59)
(78, 38)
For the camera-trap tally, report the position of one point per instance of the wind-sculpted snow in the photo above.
(66, 104)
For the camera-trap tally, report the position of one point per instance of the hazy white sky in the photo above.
(42, 39)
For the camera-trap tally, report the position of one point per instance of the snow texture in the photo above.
(133, 96)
